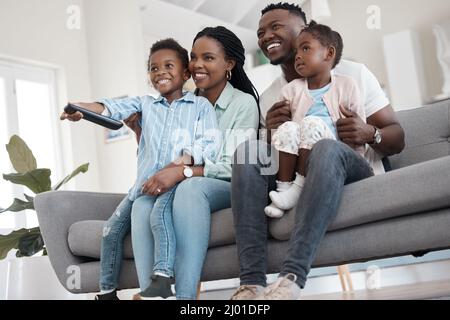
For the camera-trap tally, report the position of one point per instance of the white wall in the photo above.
(349, 17)
(118, 67)
(35, 32)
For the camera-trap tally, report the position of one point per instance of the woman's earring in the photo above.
(229, 75)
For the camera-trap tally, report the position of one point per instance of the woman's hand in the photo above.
(163, 181)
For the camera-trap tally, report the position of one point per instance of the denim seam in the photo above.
(171, 274)
(114, 252)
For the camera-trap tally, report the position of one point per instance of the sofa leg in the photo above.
(345, 277)
(199, 287)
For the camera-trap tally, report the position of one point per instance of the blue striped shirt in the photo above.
(187, 125)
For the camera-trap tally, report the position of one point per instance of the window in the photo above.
(27, 108)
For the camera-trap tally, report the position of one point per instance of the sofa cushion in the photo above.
(427, 132)
(85, 237)
(407, 191)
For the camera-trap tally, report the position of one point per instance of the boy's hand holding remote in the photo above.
(77, 116)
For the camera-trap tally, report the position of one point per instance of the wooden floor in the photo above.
(419, 291)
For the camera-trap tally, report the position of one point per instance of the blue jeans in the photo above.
(159, 210)
(114, 232)
(331, 166)
(195, 199)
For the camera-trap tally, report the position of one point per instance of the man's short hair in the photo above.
(292, 8)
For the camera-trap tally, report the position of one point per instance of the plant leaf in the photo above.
(29, 198)
(81, 169)
(20, 155)
(30, 243)
(37, 180)
(10, 241)
(19, 205)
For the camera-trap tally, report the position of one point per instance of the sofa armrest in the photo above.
(58, 210)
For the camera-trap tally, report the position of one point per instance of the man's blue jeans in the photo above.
(330, 167)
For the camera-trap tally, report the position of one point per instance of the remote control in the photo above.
(94, 117)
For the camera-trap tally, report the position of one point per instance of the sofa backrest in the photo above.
(427, 132)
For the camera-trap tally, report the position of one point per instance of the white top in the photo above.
(374, 99)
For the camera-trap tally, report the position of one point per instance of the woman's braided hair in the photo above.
(234, 50)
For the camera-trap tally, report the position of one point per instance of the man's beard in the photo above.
(284, 59)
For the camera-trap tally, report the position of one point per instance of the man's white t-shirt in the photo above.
(374, 99)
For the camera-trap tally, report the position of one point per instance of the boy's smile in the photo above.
(167, 74)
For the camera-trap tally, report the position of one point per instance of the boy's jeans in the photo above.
(195, 199)
(114, 232)
(159, 211)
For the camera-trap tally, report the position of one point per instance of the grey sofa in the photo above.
(406, 211)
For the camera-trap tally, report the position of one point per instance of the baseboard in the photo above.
(384, 277)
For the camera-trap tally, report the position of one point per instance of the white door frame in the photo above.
(11, 72)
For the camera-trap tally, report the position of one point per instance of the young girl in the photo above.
(316, 102)
(177, 128)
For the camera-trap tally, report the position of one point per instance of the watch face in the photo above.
(188, 173)
(378, 137)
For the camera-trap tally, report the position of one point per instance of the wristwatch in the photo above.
(187, 172)
(377, 137)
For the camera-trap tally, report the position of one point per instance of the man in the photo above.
(331, 166)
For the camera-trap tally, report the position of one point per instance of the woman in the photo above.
(217, 67)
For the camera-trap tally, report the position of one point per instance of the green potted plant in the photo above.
(28, 242)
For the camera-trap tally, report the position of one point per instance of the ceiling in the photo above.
(243, 13)
(241, 16)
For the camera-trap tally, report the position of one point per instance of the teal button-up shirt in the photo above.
(238, 118)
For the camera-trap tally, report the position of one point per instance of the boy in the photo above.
(177, 128)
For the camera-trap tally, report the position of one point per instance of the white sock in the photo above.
(288, 199)
(106, 291)
(283, 186)
(272, 210)
(161, 274)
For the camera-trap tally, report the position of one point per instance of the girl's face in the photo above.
(208, 64)
(312, 57)
(167, 73)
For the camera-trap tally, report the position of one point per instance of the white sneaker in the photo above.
(247, 292)
(284, 288)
